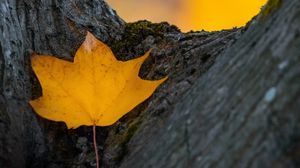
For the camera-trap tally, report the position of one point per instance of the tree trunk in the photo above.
(47, 27)
(232, 98)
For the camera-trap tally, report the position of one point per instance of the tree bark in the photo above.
(47, 27)
(243, 112)
(232, 98)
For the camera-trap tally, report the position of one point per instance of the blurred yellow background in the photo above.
(190, 14)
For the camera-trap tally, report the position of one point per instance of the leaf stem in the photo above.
(95, 146)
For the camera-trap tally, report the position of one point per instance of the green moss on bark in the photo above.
(269, 8)
(121, 139)
(134, 33)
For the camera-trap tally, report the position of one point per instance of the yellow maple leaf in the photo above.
(96, 89)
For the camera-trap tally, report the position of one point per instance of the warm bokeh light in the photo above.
(190, 14)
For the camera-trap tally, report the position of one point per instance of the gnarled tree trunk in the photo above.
(232, 98)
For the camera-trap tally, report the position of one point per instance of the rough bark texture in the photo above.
(243, 112)
(48, 27)
(232, 98)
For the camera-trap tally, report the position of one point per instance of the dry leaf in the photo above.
(95, 89)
